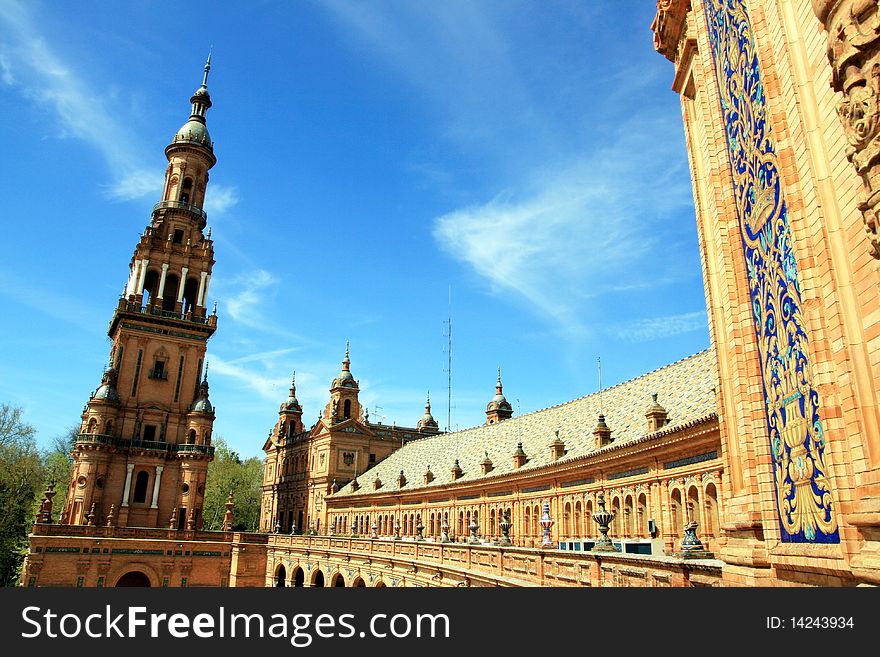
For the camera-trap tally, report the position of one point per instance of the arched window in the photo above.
(615, 524)
(207, 438)
(566, 520)
(642, 518)
(677, 524)
(140, 486)
(190, 291)
(527, 520)
(628, 514)
(492, 522)
(346, 409)
(186, 191)
(711, 511)
(536, 521)
(93, 426)
(108, 428)
(588, 518)
(191, 438)
(169, 293)
(151, 285)
(578, 515)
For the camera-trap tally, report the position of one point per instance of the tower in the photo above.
(499, 408)
(145, 439)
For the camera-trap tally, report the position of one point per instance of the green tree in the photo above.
(21, 476)
(58, 464)
(228, 473)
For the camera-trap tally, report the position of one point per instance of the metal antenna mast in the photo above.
(448, 323)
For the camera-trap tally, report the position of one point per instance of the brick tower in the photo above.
(142, 454)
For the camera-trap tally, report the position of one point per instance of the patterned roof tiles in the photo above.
(684, 388)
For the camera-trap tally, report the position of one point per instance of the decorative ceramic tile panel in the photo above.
(797, 443)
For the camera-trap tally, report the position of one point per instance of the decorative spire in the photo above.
(206, 373)
(499, 408)
(427, 421)
(346, 362)
(207, 68)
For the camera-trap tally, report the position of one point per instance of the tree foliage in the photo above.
(228, 473)
(21, 476)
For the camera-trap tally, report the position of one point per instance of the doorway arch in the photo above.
(134, 578)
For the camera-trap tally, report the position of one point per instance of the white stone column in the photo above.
(133, 277)
(204, 300)
(130, 468)
(201, 289)
(182, 284)
(155, 504)
(140, 286)
(162, 281)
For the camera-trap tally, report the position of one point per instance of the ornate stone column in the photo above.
(853, 28)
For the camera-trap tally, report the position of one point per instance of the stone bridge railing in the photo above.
(427, 563)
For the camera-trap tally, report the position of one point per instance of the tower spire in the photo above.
(207, 68)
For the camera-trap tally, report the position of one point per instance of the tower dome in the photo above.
(427, 421)
(107, 390)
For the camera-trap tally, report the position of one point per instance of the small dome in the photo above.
(106, 392)
(292, 403)
(196, 132)
(203, 406)
(107, 389)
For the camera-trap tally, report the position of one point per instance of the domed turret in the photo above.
(195, 130)
(107, 390)
(345, 378)
(292, 404)
(427, 423)
(202, 404)
(499, 408)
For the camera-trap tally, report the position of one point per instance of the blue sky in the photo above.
(375, 160)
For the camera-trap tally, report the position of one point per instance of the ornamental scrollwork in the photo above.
(804, 498)
(854, 52)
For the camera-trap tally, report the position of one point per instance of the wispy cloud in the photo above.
(220, 199)
(247, 295)
(654, 328)
(580, 231)
(82, 110)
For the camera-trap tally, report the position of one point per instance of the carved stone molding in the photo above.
(853, 28)
(669, 25)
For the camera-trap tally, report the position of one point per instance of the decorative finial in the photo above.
(206, 372)
(499, 376)
(214, 312)
(293, 380)
(207, 67)
(209, 232)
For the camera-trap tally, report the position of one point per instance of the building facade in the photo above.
(756, 462)
(303, 467)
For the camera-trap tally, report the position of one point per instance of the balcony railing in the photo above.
(167, 314)
(179, 205)
(162, 375)
(155, 445)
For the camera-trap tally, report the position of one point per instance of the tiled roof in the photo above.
(685, 389)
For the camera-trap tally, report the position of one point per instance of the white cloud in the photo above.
(82, 110)
(220, 198)
(137, 184)
(654, 328)
(580, 231)
(250, 291)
